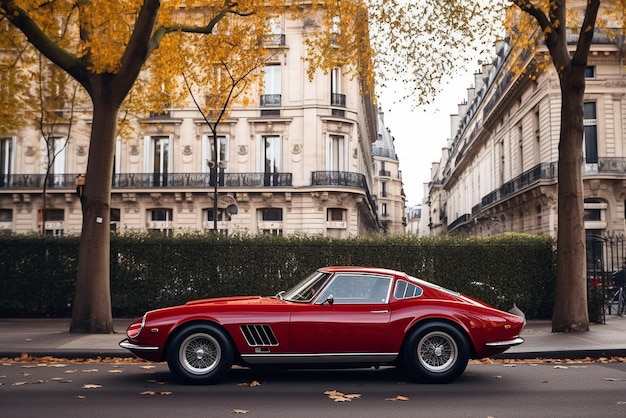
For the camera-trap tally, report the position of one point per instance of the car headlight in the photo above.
(136, 327)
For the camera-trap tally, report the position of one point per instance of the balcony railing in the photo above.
(276, 39)
(337, 99)
(338, 178)
(150, 180)
(270, 100)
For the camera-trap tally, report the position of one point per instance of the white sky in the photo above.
(420, 134)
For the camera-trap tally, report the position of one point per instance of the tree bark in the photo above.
(570, 306)
(92, 302)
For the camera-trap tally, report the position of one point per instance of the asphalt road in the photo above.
(147, 390)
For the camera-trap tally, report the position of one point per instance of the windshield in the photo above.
(307, 289)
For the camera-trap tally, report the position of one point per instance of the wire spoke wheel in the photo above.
(437, 351)
(199, 353)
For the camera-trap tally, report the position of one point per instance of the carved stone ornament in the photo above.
(243, 150)
(297, 149)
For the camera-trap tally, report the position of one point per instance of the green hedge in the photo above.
(38, 274)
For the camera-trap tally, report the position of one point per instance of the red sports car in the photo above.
(338, 316)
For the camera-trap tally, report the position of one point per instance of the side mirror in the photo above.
(330, 300)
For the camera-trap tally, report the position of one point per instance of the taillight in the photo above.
(135, 328)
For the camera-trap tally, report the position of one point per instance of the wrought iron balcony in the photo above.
(276, 39)
(338, 178)
(151, 180)
(337, 99)
(270, 100)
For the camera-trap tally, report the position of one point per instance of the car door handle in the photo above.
(381, 311)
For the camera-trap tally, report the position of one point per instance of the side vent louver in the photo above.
(257, 335)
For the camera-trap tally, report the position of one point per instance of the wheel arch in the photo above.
(431, 320)
(201, 321)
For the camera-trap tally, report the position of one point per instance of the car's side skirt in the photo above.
(326, 358)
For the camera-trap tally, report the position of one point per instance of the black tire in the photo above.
(200, 354)
(435, 352)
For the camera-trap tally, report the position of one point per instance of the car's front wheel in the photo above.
(436, 352)
(200, 353)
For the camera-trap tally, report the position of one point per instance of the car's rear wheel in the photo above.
(436, 352)
(200, 353)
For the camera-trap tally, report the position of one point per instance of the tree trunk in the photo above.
(92, 302)
(570, 306)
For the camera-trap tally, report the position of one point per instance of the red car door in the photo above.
(350, 315)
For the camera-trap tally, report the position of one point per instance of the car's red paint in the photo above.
(352, 326)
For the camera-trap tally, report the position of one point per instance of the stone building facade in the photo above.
(498, 172)
(298, 160)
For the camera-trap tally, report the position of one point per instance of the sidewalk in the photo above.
(50, 337)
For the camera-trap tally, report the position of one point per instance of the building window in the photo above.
(223, 217)
(157, 158)
(53, 222)
(590, 124)
(383, 189)
(383, 210)
(53, 154)
(336, 215)
(6, 161)
(6, 221)
(336, 222)
(207, 152)
(161, 221)
(115, 219)
(271, 86)
(270, 221)
(270, 159)
(336, 158)
(590, 72)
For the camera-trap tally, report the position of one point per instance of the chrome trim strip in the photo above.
(132, 346)
(328, 358)
(508, 343)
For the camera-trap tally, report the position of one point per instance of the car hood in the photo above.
(232, 300)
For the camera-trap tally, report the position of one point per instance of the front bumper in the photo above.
(127, 344)
(505, 344)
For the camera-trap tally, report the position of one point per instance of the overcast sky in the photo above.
(421, 133)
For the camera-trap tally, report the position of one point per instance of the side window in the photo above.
(358, 289)
(406, 290)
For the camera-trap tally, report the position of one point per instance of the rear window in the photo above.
(406, 290)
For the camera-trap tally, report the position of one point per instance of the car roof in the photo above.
(361, 269)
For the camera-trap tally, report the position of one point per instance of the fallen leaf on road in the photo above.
(398, 398)
(116, 371)
(91, 386)
(146, 367)
(90, 371)
(239, 411)
(337, 396)
(148, 392)
(560, 367)
(252, 384)
(613, 379)
(19, 383)
(38, 381)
